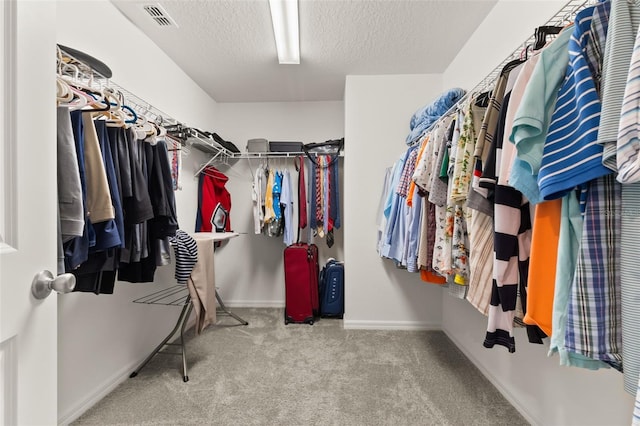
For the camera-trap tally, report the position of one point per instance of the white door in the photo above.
(28, 327)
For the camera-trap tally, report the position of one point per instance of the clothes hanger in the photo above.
(80, 99)
(63, 91)
(175, 145)
(216, 174)
(128, 111)
(147, 125)
(109, 108)
(106, 106)
(483, 98)
(161, 132)
(71, 75)
(511, 65)
(541, 34)
(122, 115)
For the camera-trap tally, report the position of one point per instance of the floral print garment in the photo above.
(464, 162)
(443, 250)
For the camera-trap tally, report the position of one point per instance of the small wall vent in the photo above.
(160, 16)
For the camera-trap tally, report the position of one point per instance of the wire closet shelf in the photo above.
(94, 78)
(562, 17)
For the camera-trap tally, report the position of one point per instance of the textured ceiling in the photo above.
(227, 46)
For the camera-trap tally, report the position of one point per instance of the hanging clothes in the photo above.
(532, 117)
(214, 202)
(545, 239)
(269, 212)
(389, 245)
(572, 155)
(623, 26)
(571, 225)
(287, 203)
(175, 160)
(624, 19)
(98, 274)
(596, 285)
(558, 124)
(324, 199)
(423, 178)
(95, 273)
(302, 195)
(460, 185)
(128, 206)
(153, 234)
(276, 226)
(71, 214)
(381, 220)
(258, 199)
(480, 201)
(186, 255)
(399, 220)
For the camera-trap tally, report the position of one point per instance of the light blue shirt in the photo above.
(393, 238)
(568, 248)
(412, 242)
(531, 121)
(286, 200)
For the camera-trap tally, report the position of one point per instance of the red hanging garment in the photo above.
(302, 197)
(215, 202)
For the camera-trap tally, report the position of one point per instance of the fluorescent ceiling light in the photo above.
(284, 15)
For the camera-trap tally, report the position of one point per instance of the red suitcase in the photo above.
(301, 283)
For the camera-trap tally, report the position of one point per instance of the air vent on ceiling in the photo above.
(159, 15)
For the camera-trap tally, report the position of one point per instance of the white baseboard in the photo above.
(254, 303)
(390, 325)
(522, 409)
(100, 392)
(109, 385)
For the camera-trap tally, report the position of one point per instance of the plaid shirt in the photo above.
(598, 36)
(407, 173)
(593, 320)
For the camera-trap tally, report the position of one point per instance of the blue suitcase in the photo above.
(332, 290)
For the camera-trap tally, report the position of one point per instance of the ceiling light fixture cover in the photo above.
(284, 16)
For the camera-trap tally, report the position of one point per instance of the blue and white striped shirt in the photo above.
(571, 154)
(186, 251)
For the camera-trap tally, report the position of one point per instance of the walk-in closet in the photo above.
(204, 137)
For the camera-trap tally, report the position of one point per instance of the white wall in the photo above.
(257, 275)
(377, 114)
(102, 338)
(544, 392)
(509, 23)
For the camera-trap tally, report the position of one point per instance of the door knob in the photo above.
(44, 282)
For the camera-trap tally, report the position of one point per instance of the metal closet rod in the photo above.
(561, 18)
(224, 155)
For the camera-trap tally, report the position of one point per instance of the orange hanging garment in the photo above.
(412, 185)
(542, 265)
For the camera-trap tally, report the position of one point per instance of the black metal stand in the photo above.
(178, 295)
(223, 309)
(172, 296)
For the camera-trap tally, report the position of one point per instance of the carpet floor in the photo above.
(267, 373)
